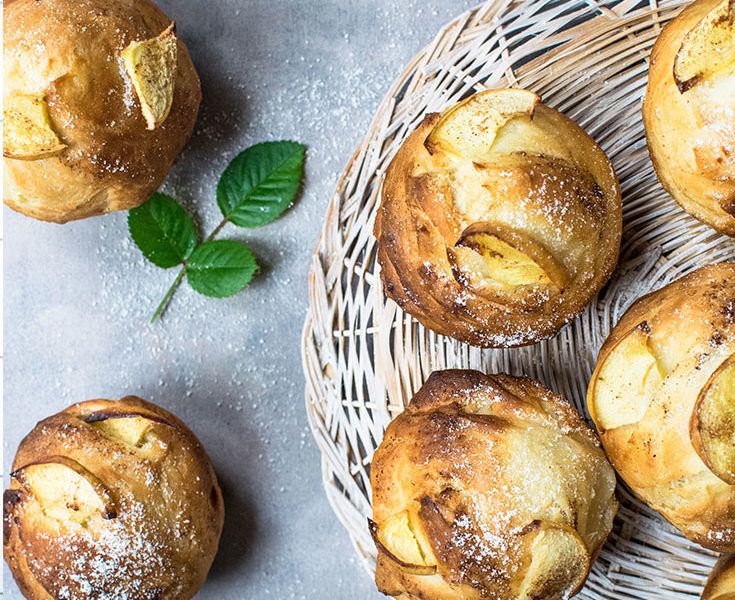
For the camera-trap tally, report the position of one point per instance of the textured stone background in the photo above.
(78, 297)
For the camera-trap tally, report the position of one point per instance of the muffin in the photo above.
(721, 583)
(488, 487)
(688, 111)
(99, 98)
(663, 398)
(500, 220)
(111, 501)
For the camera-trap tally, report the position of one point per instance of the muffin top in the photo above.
(500, 220)
(101, 97)
(110, 501)
(488, 487)
(662, 398)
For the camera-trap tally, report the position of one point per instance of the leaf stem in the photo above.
(217, 229)
(169, 293)
(180, 276)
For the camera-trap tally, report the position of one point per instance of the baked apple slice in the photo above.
(712, 428)
(151, 65)
(397, 538)
(468, 129)
(559, 564)
(708, 49)
(27, 130)
(489, 255)
(66, 490)
(625, 382)
(124, 425)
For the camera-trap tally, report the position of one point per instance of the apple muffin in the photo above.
(99, 98)
(721, 583)
(488, 487)
(663, 398)
(111, 501)
(688, 111)
(500, 220)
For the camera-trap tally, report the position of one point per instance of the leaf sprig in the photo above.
(254, 190)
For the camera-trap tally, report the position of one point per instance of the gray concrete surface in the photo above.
(78, 297)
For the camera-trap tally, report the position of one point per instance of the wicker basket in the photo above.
(363, 357)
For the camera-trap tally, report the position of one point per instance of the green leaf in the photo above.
(162, 230)
(220, 268)
(260, 183)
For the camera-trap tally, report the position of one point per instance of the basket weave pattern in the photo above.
(363, 357)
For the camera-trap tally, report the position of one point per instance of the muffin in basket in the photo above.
(99, 98)
(488, 487)
(111, 501)
(663, 398)
(689, 111)
(721, 583)
(500, 220)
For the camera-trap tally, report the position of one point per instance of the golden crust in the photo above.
(721, 582)
(549, 185)
(69, 54)
(507, 488)
(691, 134)
(163, 515)
(687, 333)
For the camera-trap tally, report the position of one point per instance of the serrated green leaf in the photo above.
(260, 183)
(220, 268)
(162, 230)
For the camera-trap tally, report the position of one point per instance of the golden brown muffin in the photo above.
(689, 111)
(111, 501)
(500, 220)
(721, 583)
(488, 487)
(663, 399)
(99, 99)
